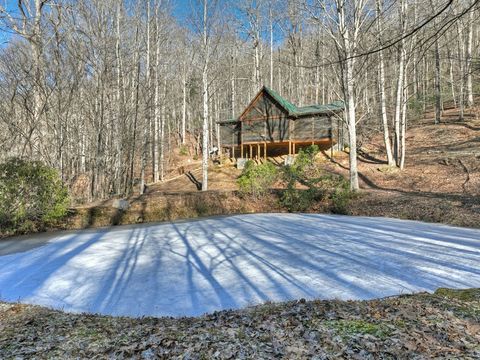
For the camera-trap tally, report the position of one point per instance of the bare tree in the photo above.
(381, 86)
(344, 20)
(104, 90)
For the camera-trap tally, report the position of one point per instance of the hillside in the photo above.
(442, 179)
(442, 174)
(440, 184)
(441, 159)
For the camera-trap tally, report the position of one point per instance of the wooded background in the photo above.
(106, 91)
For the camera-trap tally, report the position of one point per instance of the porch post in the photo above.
(331, 138)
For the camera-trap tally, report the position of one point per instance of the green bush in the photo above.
(297, 200)
(302, 171)
(31, 195)
(304, 165)
(305, 171)
(415, 107)
(341, 197)
(256, 180)
(183, 151)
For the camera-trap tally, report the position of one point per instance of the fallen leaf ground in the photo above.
(441, 325)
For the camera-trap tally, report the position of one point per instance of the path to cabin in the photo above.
(193, 267)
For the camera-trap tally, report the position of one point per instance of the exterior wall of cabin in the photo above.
(278, 129)
(270, 130)
(230, 134)
(265, 123)
(310, 128)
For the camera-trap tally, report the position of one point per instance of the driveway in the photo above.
(193, 267)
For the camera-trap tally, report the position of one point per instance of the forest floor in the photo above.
(440, 159)
(441, 177)
(445, 324)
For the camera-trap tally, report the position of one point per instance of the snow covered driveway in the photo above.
(193, 267)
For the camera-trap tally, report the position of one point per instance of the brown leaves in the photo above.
(422, 325)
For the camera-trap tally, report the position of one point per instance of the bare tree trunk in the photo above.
(271, 44)
(351, 121)
(366, 94)
(400, 81)
(146, 119)
(398, 106)
(279, 74)
(232, 85)
(136, 88)
(217, 126)
(403, 128)
(452, 78)
(156, 104)
(348, 64)
(425, 83)
(36, 43)
(381, 90)
(323, 68)
(205, 149)
(301, 75)
(468, 59)
(461, 85)
(162, 134)
(184, 108)
(317, 71)
(416, 81)
(438, 71)
(119, 110)
(258, 82)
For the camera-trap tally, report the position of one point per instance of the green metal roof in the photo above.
(296, 112)
(287, 105)
(320, 109)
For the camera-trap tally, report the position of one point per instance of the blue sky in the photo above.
(4, 35)
(181, 10)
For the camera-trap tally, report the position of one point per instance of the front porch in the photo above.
(262, 150)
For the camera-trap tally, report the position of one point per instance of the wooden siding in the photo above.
(261, 108)
(269, 129)
(265, 121)
(276, 130)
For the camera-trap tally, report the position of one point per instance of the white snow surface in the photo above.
(193, 267)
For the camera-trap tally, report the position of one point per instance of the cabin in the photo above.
(272, 126)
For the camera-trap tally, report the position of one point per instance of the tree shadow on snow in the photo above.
(188, 268)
